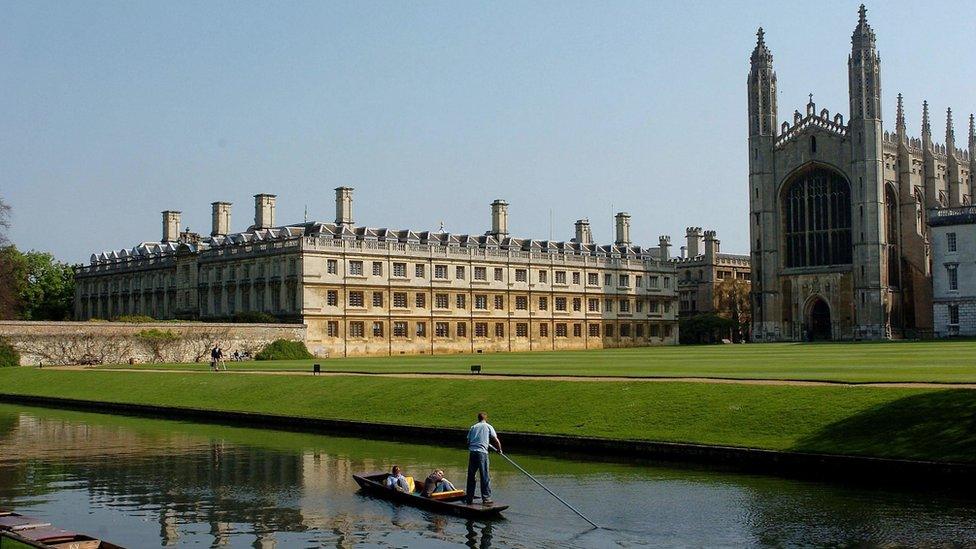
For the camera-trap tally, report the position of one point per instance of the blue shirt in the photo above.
(478, 436)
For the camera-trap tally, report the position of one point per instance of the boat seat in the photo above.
(448, 495)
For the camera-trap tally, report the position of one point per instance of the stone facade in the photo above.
(701, 269)
(839, 239)
(953, 233)
(52, 343)
(377, 291)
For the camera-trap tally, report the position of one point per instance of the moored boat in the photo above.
(21, 532)
(452, 503)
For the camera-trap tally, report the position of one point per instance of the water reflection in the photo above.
(143, 482)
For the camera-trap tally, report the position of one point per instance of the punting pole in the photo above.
(543, 486)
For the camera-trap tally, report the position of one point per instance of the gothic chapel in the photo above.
(839, 240)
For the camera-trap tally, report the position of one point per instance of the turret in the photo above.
(343, 205)
(711, 246)
(664, 245)
(583, 233)
(499, 219)
(220, 225)
(623, 229)
(264, 211)
(900, 129)
(694, 238)
(762, 90)
(864, 72)
(171, 226)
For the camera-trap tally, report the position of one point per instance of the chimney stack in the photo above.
(343, 206)
(264, 211)
(664, 243)
(694, 236)
(623, 229)
(499, 218)
(171, 226)
(583, 233)
(221, 219)
(711, 246)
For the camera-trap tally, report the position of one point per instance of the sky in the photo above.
(114, 111)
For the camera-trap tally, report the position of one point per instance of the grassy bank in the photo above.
(882, 422)
(931, 361)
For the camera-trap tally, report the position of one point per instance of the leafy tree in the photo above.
(13, 282)
(283, 349)
(4, 221)
(732, 301)
(8, 355)
(35, 286)
(704, 328)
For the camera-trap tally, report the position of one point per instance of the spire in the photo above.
(972, 136)
(762, 89)
(926, 127)
(863, 37)
(900, 116)
(761, 56)
(950, 132)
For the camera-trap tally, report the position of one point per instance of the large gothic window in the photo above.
(817, 213)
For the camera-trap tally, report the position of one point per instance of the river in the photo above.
(146, 483)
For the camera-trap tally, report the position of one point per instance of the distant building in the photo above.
(953, 233)
(703, 272)
(839, 240)
(376, 291)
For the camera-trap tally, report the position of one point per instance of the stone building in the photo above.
(376, 291)
(702, 270)
(839, 239)
(953, 233)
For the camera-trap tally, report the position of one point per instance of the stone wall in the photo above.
(118, 343)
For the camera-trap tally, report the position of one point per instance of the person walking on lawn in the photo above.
(479, 437)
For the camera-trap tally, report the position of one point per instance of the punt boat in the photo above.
(22, 532)
(451, 503)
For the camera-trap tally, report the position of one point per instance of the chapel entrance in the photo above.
(819, 321)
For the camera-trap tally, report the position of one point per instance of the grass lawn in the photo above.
(886, 422)
(929, 361)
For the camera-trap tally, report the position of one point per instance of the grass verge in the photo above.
(919, 424)
(930, 361)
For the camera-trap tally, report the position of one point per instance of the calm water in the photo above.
(147, 483)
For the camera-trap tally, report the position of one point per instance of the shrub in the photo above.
(254, 317)
(283, 349)
(157, 341)
(9, 356)
(135, 319)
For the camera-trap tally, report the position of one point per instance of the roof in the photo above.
(378, 234)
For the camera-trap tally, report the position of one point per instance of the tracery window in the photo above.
(817, 214)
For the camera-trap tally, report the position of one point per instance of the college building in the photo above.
(840, 237)
(954, 270)
(376, 291)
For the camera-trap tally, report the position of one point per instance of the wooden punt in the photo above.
(18, 530)
(372, 483)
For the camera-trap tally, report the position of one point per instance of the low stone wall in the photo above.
(61, 343)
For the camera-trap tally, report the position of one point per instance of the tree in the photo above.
(4, 221)
(35, 286)
(732, 301)
(13, 281)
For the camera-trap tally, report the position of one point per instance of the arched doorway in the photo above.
(818, 321)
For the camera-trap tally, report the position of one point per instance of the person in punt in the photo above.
(396, 481)
(436, 483)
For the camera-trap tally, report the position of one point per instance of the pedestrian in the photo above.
(479, 436)
(213, 359)
(220, 358)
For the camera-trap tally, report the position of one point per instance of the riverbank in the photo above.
(683, 421)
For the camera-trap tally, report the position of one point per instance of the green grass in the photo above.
(934, 361)
(884, 422)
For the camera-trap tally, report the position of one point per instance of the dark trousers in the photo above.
(478, 462)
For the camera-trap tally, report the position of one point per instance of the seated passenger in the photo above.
(396, 481)
(436, 483)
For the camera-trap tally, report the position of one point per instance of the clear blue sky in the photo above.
(112, 112)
